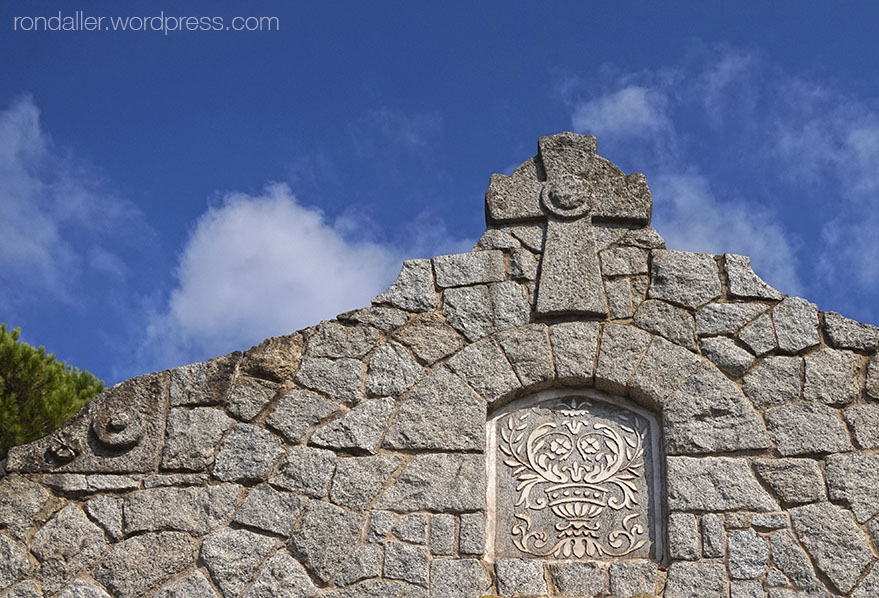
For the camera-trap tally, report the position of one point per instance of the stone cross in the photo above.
(573, 189)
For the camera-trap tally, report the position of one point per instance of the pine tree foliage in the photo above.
(37, 393)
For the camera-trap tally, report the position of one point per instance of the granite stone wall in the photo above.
(570, 409)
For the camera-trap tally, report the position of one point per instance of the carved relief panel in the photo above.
(574, 476)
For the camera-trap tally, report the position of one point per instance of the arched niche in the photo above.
(574, 474)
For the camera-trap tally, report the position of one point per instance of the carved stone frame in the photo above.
(658, 528)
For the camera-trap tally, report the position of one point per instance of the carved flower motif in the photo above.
(590, 445)
(560, 445)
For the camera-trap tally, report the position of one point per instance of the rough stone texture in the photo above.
(248, 453)
(192, 436)
(297, 412)
(495, 238)
(438, 482)
(619, 353)
(619, 298)
(796, 324)
(249, 396)
(78, 589)
(66, 545)
(413, 290)
(872, 385)
(233, 557)
(623, 261)
(107, 512)
(380, 524)
(520, 576)
(275, 358)
(412, 529)
(792, 561)
(365, 562)
(687, 279)
(696, 580)
(20, 501)
(748, 555)
(359, 480)
(775, 381)
(385, 319)
(270, 510)
(360, 429)
(710, 414)
(746, 589)
(744, 283)
(727, 355)
(713, 536)
(457, 578)
(853, 479)
(206, 383)
(339, 380)
(674, 323)
(486, 369)
(769, 520)
(683, 536)
(863, 421)
(14, 564)
(282, 577)
(662, 371)
(795, 481)
(391, 371)
(480, 310)
(441, 413)
(523, 265)
(325, 538)
(527, 349)
(806, 428)
(472, 535)
(844, 333)
(196, 511)
(632, 578)
(832, 377)
(759, 335)
(139, 564)
(715, 484)
(726, 318)
(579, 579)
(335, 340)
(442, 535)
(869, 587)
(574, 346)
(464, 269)
(530, 236)
(380, 588)
(306, 470)
(194, 585)
(405, 562)
(430, 337)
(835, 543)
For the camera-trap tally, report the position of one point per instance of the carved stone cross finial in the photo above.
(574, 190)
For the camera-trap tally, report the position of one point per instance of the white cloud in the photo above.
(55, 217)
(691, 218)
(633, 111)
(260, 266)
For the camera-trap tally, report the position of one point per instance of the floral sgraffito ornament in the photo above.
(575, 472)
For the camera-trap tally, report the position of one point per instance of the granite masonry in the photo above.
(570, 409)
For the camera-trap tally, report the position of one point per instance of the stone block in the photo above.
(326, 536)
(465, 269)
(486, 369)
(297, 412)
(863, 421)
(365, 562)
(519, 576)
(796, 324)
(106, 512)
(391, 371)
(806, 428)
(204, 383)
(748, 556)
(441, 413)
(696, 580)
(872, 386)
(527, 349)
(412, 529)
(683, 278)
(795, 481)
(361, 429)
(336, 340)
(619, 298)
(574, 346)
(413, 290)
(455, 578)
(192, 436)
(683, 537)
(775, 381)
(790, 559)
(249, 396)
(307, 471)
(248, 453)
(496, 238)
(579, 579)
(20, 501)
(386, 319)
(833, 377)
(270, 510)
(139, 564)
(15, 565)
(67, 544)
(523, 265)
(843, 333)
(624, 261)
(667, 320)
(744, 282)
(836, 544)
(406, 563)
(726, 318)
(282, 577)
(196, 511)
(662, 371)
(337, 379)
(429, 337)
(480, 310)
(233, 557)
(620, 351)
(359, 480)
(632, 578)
(442, 535)
(727, 355)
(78, 589)
(713, 536)
(715, 484)
(439, 483)
(194, 585)
(853, 479)
(472, 536)
(759, 336)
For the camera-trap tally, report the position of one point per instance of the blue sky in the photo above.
(167, 198)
